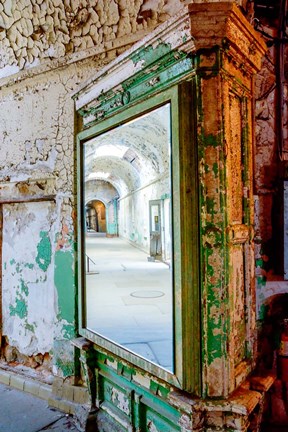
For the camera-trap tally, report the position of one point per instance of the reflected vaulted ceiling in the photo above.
(131, 155)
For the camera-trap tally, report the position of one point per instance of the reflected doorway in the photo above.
(155, 229)
(96, 216)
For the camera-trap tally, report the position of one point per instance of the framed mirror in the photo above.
(128, 231)
(139, 298)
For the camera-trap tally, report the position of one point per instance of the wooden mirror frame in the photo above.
(185, 237)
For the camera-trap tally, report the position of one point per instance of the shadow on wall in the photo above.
(273, 356)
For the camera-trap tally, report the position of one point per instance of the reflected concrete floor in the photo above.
(129, 299)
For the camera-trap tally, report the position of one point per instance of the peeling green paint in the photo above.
(211, 140)
(210, 203)
(64, 282)
(158, 389)
(150, 54)
(215, 169)
(261, 281)
(12, 261)
(20, 309)
(43, 258)
(263, 312)
(68, 331)
(212, 248)
(259, 262)
(66, 367)
(29, 265)
(161, 66)
(24, 287)
(29, 327)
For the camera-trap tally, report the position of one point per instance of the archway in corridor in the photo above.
(96, 216)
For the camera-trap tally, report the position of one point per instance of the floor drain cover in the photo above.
(147, 294)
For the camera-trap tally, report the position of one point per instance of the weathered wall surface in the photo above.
(270, 171)
(52, 47)
(37, 160)
(35, 30)
(27, 286)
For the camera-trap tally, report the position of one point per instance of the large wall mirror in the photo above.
(127, 236)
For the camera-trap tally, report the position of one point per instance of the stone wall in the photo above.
(270, 171)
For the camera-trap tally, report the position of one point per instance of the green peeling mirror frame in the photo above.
(138, 228)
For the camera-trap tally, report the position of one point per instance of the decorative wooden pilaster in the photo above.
(228, 54)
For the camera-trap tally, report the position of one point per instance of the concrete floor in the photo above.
(22, 412)
(129, 299)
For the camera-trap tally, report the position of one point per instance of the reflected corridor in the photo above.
(129, 299)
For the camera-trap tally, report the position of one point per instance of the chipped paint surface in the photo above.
(224, 124)
(64, 282)
(27, 288)
(225, 158)
(38, 162)
(43, 258)
(119, 399)
(34, 31)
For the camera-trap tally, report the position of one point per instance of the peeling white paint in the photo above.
(24, 282)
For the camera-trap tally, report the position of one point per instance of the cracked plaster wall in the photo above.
(37, 137)
(26, 286)
(32, 31)
(37, 160)
(37, 155)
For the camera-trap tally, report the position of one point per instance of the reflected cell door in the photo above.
(155, 229)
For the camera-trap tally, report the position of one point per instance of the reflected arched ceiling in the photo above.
(133, 154)
(119, 172)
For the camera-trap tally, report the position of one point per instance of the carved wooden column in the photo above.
(229, 53)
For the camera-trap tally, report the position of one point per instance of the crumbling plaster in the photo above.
(56, 33)
(38, 132)
(26, 286)
(46, 49)
(37, 162)
(36, 30)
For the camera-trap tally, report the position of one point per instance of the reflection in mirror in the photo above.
(128, 232)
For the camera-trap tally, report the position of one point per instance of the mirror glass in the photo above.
(128, 236)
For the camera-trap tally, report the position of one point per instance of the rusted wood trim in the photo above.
(34, 198)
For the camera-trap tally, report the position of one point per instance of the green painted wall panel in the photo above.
(65, 284)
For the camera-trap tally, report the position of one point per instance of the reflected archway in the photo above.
(96, 216)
